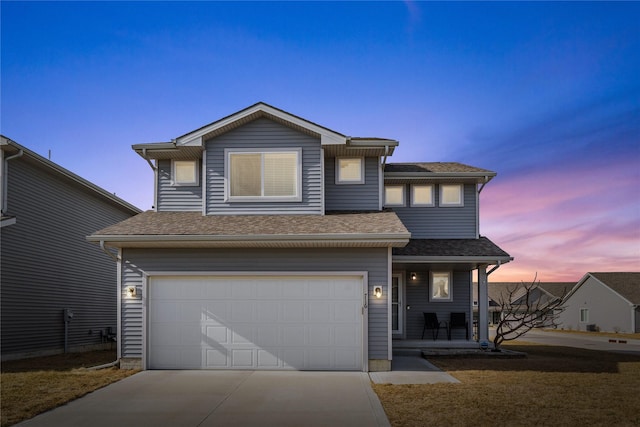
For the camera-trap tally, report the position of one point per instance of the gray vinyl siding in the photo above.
(440, 222)
(372, 260)
(417, 297)
(264, 134)
(47, 264)
(176, 197)
(340, 197)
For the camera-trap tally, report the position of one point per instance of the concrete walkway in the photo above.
(409, 367)
(225, 398)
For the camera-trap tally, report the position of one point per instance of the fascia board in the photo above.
(377, 143)
(327, 137)
(451, 259)
(438, 175)
(399, 238)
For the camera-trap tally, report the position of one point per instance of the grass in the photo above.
(557, 386)
(32, 386)
(635, 336)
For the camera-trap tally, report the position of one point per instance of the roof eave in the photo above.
(307, 240)
(452, 259)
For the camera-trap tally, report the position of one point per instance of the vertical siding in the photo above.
(352, 196)
(176, 198)
(417, 297)
(440, 222)
(372, 260)
(47, 264)
(264, 133)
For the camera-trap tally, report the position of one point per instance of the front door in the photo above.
(396, 304)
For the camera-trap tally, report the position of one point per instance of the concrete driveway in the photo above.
(225, 398)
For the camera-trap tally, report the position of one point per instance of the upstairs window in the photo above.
(422, 195)
(185, 172)
(349, 170)
(263, 176)
(394, 195)
(451, 195)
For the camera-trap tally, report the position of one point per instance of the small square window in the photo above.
(440, 286)
(422, 195)
(451, 195)
(394, 195)
(185, 172)
(349, 170)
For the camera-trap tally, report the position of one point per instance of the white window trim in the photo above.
(337, 167)
(404, 195)
(261, 199)
(174, 180)
(433, 298)
(433, 201)
(451, 205)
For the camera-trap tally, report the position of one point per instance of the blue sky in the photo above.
(546, 94)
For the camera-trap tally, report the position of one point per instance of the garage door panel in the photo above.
(255, 323)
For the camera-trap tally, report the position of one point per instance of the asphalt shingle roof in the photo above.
(451, 248)
(194, 223)
(626, 284)
(433, 167)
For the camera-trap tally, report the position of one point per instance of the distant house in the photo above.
(47, 266)
(542, 294)
(604, 301)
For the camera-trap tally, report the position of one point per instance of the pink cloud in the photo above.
(563, 223)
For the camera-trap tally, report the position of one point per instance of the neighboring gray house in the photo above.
(46, 264)
(604, 301)
(276, 243)
(543, 293)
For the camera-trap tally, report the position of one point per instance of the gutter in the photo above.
(486, 180)
(144, 156)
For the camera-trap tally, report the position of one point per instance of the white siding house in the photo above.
(604, 301)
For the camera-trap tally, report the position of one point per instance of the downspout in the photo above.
(386, 154)
(486, 180)
(5, 178)
(497, 266)
(155, 179)
(107, 251)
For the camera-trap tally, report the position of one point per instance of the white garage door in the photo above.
(256, 322)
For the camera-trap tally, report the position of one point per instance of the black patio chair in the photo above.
(458, 321)
(431, 322)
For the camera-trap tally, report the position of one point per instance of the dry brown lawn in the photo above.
(32, 386)
(553, 386)
(635, 336)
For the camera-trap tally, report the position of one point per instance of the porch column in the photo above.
(483, 305)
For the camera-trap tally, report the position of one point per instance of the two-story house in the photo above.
(276, 243)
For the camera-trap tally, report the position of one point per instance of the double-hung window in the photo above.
(273, 175)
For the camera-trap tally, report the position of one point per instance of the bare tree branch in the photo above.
(524, 308)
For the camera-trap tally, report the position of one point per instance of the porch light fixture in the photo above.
(413, 276)
(377, 291)
(131, 292)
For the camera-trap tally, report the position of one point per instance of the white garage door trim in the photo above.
(362, 276)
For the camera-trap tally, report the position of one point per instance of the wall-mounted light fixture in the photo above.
(377, 291)
(413, 276)
(131, 292)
